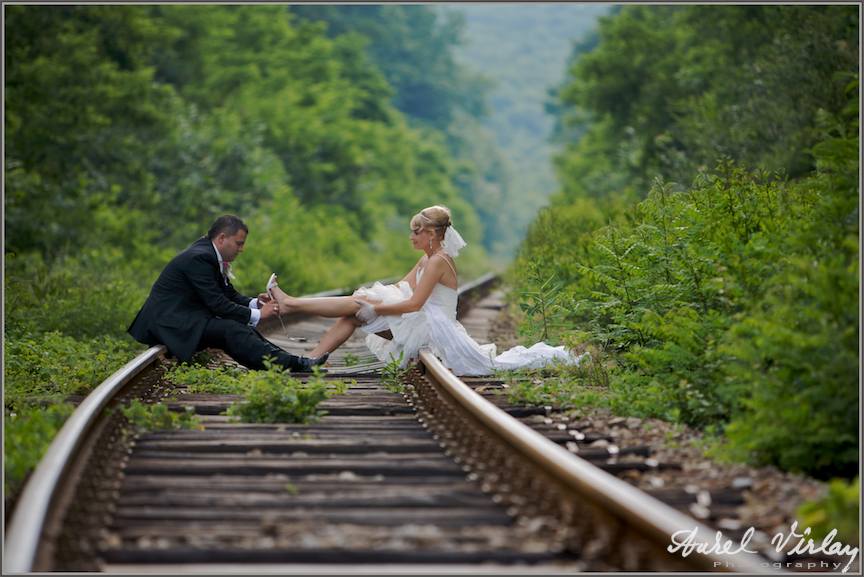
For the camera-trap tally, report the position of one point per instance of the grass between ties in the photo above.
(272, 395)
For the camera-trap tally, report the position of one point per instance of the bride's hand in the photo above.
(366, 314)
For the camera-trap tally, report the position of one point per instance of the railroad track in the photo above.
(433, 478)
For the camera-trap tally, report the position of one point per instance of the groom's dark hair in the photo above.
(229, 224)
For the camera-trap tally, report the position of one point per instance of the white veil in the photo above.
(453, 242)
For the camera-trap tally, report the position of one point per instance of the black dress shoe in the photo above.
(306, 363)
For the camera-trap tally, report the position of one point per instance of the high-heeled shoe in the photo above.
(271, 282)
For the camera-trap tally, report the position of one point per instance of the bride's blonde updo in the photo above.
(435, 218)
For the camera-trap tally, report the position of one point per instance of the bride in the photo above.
(417, 312)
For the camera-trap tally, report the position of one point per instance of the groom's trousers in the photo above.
(245, 345)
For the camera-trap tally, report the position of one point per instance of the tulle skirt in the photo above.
(410, 331)
(435, 327)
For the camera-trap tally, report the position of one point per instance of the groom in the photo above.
(193, 305)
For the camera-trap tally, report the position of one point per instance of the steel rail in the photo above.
(651, 518)
(25, 531)
(478, 283)
(24, 535)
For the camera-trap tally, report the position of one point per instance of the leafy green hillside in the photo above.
(706, 236)
(129, 129)
(522, 49)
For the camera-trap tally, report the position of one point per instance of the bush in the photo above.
(49, 367)
(154, 417)
(274, 396)
(88, 295)
(41, 371)
(733, 303)
(393, 375)
(795, 356)
(837, 510)
(27, 433)
(564, 387)
(223, 380)
(795, 367)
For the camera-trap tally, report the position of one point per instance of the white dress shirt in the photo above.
(253, 303)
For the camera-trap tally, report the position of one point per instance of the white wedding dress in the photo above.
(435, 327)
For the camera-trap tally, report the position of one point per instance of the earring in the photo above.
(430, 244)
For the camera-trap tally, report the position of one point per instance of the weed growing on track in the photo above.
(393, 375)
(223, 380)
(270, 396)
(157, 416)
(274, 396)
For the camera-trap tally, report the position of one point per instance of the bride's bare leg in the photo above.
(335, 336)
(320, 306)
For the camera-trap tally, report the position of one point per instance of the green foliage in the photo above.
(312, 99)
(669, 90)
(48, 367)
(223, 380)
(271, 395)
(27, 433)
(330, 251)
(732, 303)
(562, 387)
(596, 382)
(157, 417)
(274, 396)
(802, 371)
(393, 375)
(509, 148)
(186, 112)
(838, 510)
(351, 359)
(540, 306)
(426, 53)
(413, 47)
(71, 113)
(88, 295)
(42, 369)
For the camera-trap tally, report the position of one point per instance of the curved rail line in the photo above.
(597, 515)
(600, 512)
(44, 491)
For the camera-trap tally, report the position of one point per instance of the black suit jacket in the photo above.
(190, 291)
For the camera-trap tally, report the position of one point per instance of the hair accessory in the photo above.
(453, 241)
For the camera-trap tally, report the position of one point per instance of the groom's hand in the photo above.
(269, 310)
(263, 298)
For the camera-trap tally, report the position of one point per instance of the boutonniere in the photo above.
(226, 270)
